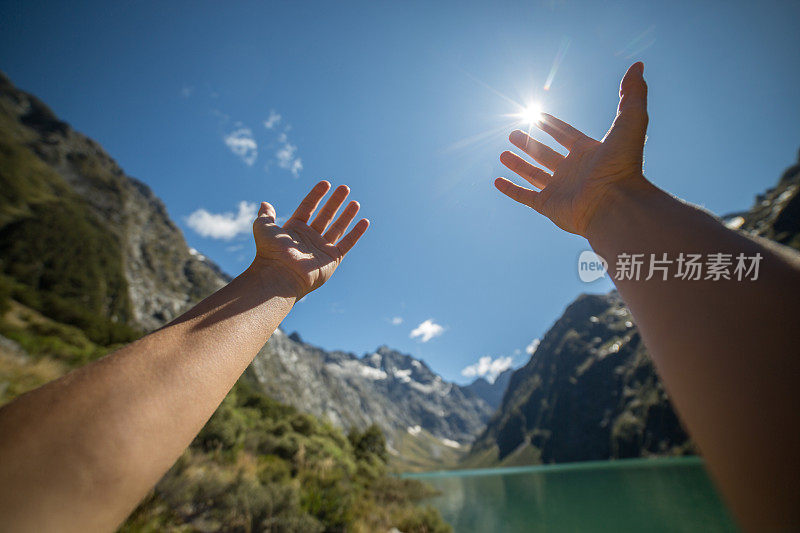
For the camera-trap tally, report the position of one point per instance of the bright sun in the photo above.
(531, 114)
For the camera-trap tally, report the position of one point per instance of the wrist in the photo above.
(275, 279)
(619, 208)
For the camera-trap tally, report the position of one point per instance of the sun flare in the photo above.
(531, 114)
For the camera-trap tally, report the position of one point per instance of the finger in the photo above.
(534, 175)
(631, 120)
(540, 152)
(350, 240)
(338, 228)
(330, 208)
(267, 211)
(311, 201)
(515, 192)
(633, 89)
(563, 133)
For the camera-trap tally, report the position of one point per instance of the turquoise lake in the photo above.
(649, 495)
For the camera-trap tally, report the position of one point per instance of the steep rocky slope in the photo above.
(590, 391)
(776, 213)
(67, 209)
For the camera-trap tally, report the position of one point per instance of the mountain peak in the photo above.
(385, 387)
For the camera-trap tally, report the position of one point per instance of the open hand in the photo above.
(580, 181)
(302, 250)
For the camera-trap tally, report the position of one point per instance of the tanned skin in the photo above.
(726, 350)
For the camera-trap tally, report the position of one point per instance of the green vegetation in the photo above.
(58, 258)
(262, 466)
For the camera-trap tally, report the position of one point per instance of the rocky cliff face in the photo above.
(46, 165)
(590, 391)
(394, 390)
(776, 213)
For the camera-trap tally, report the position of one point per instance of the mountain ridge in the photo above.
(348, 390)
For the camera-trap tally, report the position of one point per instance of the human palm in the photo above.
(300, 248)
(580, 181)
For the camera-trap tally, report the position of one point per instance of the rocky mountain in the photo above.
(491, 392)
(74, 226)
(776, 213)
(590, 391)
(393, 390)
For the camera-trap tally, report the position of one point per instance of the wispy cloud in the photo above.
(286, 156)
(242, 143)
(427, 330)
(487, 368)
(396, 321)
(223, 225)
(531, 348)
(272, 120)
(187, 91)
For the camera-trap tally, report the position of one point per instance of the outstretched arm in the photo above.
(79, 453)
(727, 349)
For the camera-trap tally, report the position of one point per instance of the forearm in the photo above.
(81, 451)
(726, 350)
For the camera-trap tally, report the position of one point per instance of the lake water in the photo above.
(649, 495)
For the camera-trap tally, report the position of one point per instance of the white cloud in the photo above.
(427, 330)
(396, 321)
(531, 348)
(287, 156)
(223, 225)
(187, 91)
(272, 120)
(487, 367)
(242, 143)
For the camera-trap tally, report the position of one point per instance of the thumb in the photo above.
(267, 211)
(631, 121)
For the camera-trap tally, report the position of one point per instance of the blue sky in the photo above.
(407, 104)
